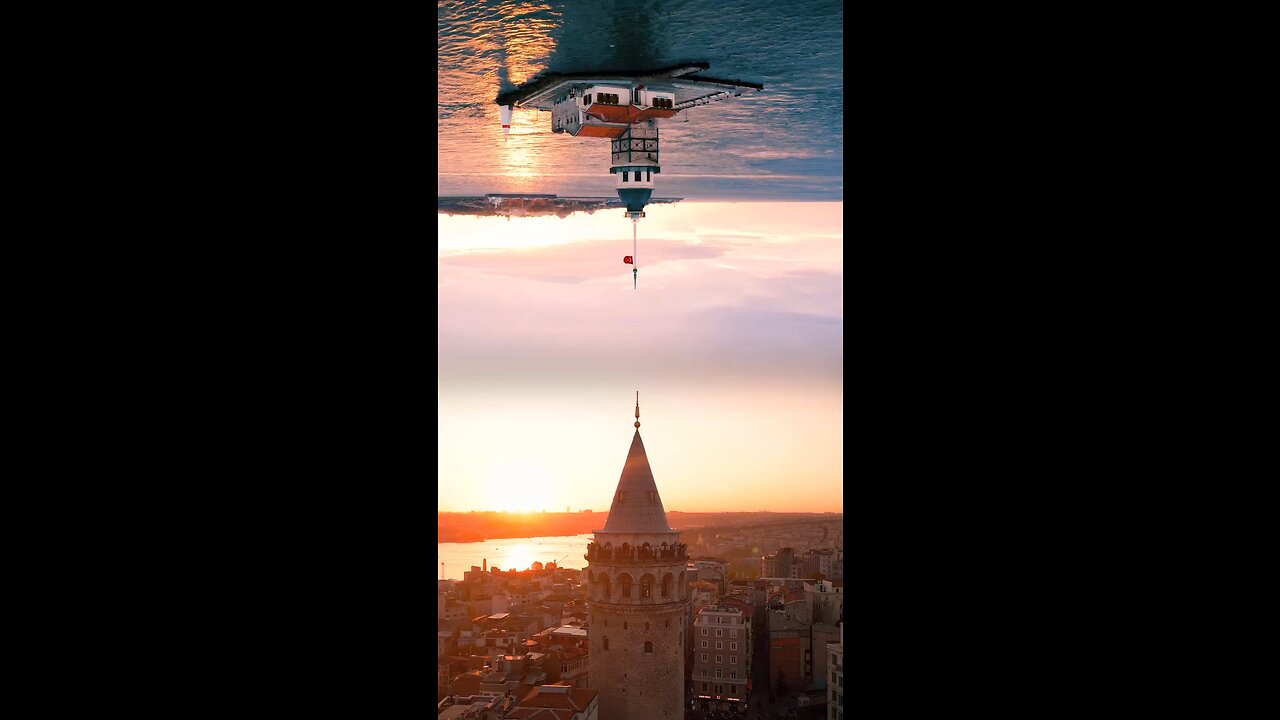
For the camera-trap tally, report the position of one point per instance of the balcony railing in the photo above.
(636, 554)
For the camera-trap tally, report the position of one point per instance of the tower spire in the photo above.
(637, 410)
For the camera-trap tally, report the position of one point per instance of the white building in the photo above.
(721, 657)
(835, 678)
(826, 601)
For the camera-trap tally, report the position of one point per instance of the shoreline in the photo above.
(513, 537)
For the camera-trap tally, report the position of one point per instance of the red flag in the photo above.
(627, 259)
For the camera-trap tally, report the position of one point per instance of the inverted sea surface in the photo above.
(785, 142)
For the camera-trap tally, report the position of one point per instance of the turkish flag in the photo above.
(627, 259)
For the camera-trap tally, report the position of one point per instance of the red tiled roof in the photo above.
(561, 704)
(601, 131)
(627, 113)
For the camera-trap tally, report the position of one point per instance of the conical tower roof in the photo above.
(637, 507)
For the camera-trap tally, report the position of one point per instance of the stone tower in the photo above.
(638, 601)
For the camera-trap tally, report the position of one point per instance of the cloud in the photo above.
(580, 261)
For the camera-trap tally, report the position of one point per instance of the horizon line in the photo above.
(688, 512)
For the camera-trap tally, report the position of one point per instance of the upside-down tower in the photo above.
(638, 599)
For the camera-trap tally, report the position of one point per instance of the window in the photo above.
(704, 687)
(733, 633)
(719, 674)
(606, 643)
(704, 644)
(704, 634)
(733, 659)
(719, 659)
(587, 99)
(624, 176)
(624, 626)
(668, 623)
(648, 646)
(733, 674)
(733, 646)
(648, 175)
(719, 645)
(719, 632)
(704, 657)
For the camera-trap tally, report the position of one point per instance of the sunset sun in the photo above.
(519, 487)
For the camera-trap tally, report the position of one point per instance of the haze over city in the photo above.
(734, 340)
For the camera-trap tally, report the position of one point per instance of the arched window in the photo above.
(646, 586)
(624, 586)
(606, 643)
(648, 646)
(666, 585)
(604, 586)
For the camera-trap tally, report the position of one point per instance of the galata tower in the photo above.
(638, 600)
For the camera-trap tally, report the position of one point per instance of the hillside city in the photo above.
(762, 628)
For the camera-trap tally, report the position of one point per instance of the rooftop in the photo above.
(553, 702)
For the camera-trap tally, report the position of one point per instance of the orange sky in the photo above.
(734, 340)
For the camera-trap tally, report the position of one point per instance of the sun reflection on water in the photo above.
(516, 557)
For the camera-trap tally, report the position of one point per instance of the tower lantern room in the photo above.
(634, 164)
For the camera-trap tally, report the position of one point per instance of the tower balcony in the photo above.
(642, 554)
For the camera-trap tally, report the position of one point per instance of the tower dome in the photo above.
(635, 198)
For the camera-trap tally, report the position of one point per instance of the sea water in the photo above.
(785, 142)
